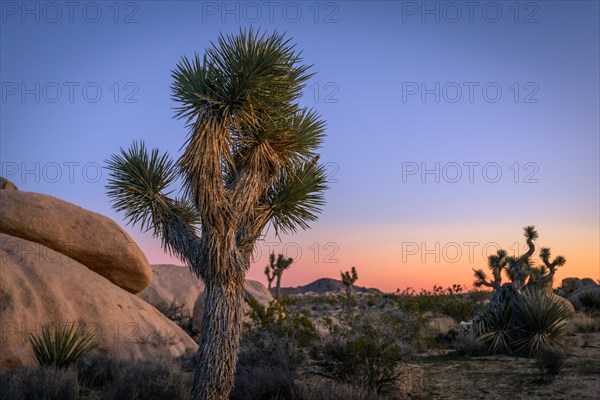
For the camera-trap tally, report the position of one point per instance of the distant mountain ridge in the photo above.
(324, 286)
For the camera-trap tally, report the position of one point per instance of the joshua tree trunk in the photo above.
(277, 286)
(349, 292)
(221, 330)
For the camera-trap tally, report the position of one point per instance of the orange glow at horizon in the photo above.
(417, 257)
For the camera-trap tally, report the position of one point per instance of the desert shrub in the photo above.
(150, 381)
(186, 362)
(276, 335)
(179, 314)
(585, 322)
(408, 327)
(273, 352)
(456, 304)
(447, 338)
(550, 361)
(467, 343)
(159, 340)
(331, 300)
(96, 371)
(450, 301)
(61, 348)
(590, 300)
(263, 382)
(39, 383)
(359, 352)
(331, 390)
(588, 339)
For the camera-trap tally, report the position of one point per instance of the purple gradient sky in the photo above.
(366, 55)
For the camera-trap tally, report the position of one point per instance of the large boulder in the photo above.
(585, 282)
(40, 286)
(567, 287)
(590, 292)
(6, 184)
(253, 288)
(85, 236)
(259, 292)
(570, 285)
(172, 285)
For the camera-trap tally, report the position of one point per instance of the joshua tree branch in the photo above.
(551, 266)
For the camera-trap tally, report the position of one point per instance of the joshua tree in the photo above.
(522, 302)
(348, 279)
(270, 275)
(249, 160)
(520, 270)
(275, 270)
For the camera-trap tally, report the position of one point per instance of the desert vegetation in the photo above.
(385, 346)
(250, 161)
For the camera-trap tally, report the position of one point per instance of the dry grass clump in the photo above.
(586, 322)
(331, 390)
(150, 381)
(39, 383)
(550, 361)
(98, 377)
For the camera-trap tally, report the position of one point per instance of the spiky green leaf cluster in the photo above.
(497, 327)
(545, 322)
(250, 158)
(296, 198)
(138, 185)
(241, 100)
(62, 347)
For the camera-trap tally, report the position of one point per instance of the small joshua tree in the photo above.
(348, 279)
(275, 270)
(269, 270)
(270, 277)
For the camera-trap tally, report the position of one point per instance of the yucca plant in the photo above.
(497, 326)
(544, 322)
(62, 347)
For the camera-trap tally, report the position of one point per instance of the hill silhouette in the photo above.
(324, 286)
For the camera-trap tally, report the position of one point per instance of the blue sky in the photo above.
(373, 60)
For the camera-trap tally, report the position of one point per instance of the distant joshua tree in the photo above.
(519, 270)
(275, 269)
(348, 279)
(270, 275)
(250, 160)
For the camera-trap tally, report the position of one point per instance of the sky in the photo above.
(450, 125)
